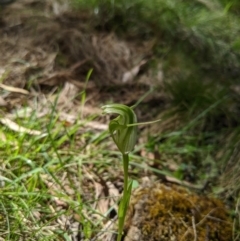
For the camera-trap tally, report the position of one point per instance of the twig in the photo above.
(194, 228)
(200, 223)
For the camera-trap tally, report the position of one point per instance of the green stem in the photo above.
(125, 198)
(125, 170)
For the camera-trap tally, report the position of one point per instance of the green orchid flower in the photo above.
(123, 128)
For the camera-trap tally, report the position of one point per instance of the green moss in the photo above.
(173, 213)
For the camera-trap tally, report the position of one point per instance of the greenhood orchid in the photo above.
(123, 130)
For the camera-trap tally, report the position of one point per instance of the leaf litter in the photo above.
(48, 51)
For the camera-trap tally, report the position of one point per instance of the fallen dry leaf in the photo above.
(102, 200)
(2, 102)
(67, 94)
(15, 127)
(14, 89)
(2, 137)
(131, 74)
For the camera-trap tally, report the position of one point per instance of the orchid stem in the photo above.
(125, 200)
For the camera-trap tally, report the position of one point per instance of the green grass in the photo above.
(32, 170)
(36, 171)
(198, 45)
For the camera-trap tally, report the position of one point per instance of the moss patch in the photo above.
(159, 212)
